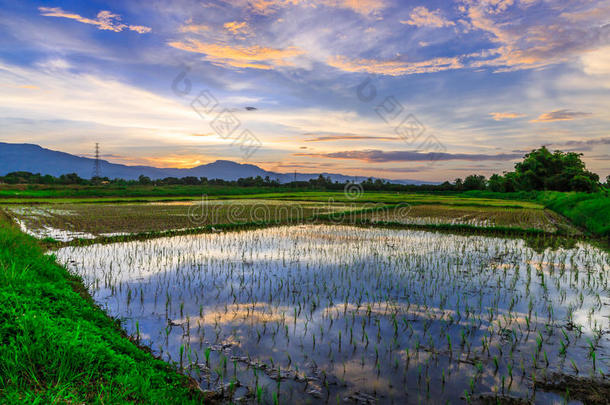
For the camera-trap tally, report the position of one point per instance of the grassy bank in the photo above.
(57, 346)
(590, 211)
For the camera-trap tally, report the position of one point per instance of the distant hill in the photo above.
(36, 159)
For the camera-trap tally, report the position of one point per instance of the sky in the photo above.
(398, 89)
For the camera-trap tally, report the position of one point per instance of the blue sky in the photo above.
(427, 90)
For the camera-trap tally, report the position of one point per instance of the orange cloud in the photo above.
(394, 68)
(499, 116)
(422, 17)
(561, 115)
(238, 28)
(105, 20)
(266, 7)
(194, 28)
(262, 6)
(364, 7)
(255, 57)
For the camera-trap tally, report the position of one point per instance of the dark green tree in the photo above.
(560, 171)
(459, 184)
(474, 182)
(496, 183)
(144, 180)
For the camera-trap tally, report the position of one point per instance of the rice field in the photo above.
(66, 222)
(524, 218)
(341, 314)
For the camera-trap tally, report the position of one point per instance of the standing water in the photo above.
(314, 314)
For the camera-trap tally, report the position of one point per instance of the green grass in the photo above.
(57, 346)
(590, 211)
(313, 196)
(134, 191)
(36, 194)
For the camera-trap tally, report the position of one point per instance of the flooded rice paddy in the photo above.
(327, 314)
(67, 222)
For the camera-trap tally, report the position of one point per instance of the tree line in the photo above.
(539, 170)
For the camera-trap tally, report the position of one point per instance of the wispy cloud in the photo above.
(189, 27)
(500, 116)
(238, 28)
(586, 142)
(422, 17)
(105, 20)
(256, 57)
(393, 68)
(268, 7)
(364, 7)
(408, 156)
(534, 40)
(330, 136)
(561, 115)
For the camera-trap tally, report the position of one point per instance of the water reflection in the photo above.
(326, 313)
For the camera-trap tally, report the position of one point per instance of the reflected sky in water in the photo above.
(354, 313)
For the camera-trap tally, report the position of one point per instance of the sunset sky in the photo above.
(427, 90)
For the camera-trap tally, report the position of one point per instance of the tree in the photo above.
(70, 178)
(144, 180)
(474, 182)
(191, 180)
(496, 183)
(608, 181)
(560, 171)
(582, 183)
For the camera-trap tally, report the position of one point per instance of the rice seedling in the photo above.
(310, 312)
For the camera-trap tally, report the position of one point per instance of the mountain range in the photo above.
(36, 159)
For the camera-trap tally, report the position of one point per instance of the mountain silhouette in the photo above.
(33, 158)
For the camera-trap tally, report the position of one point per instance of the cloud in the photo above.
(393, 68)
(255, 57)
(194, 28)
(267, 7)
(239, 29)
(331, 136)
(408, 156)
(561, 115)
(398, 169)
(105, 20)
(422, 17)
(524, 40)
(597, 62)
(500, 116)
(68, 96)
(588, 142)
(364, 7)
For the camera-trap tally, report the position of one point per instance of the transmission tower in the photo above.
(96, 165)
